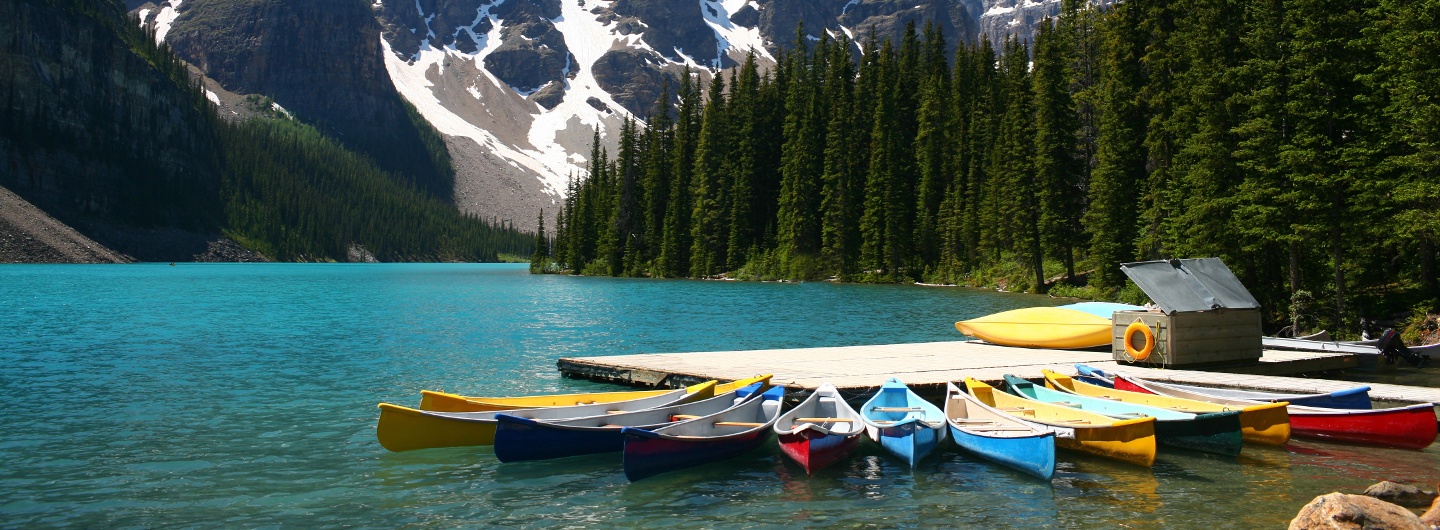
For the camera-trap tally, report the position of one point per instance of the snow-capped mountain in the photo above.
(519, 87)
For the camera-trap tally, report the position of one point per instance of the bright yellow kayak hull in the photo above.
(1130, 441)
(1040, 327)
(446, 402)
(1265, 424)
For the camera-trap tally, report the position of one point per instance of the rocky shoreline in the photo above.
(1384, 505)
(30, 235)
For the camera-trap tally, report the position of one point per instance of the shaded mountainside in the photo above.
(320, 60)
(104, 129)
(95, 130)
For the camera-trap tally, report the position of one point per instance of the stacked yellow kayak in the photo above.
(1040, 327)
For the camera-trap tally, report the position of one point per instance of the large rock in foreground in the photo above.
(1338, 510)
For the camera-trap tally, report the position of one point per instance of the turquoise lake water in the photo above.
(243, 395)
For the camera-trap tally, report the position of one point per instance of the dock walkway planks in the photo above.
(927, 366)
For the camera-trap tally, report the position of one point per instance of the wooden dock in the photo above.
(926, 367)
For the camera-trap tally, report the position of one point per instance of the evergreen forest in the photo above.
(1298, 140)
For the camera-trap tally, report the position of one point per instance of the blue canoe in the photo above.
(712, 438)
(902, 422)
(520, 439)
(1349, 398)
(999, 437)
(1214, 432)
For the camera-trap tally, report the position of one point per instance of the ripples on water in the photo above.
(244, 395)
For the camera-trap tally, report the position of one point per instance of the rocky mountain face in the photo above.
(93, 132)
(320, 60)
(517, 88)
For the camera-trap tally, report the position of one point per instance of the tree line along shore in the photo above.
(1295, 139)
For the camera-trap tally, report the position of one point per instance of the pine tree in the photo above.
(540, 258)
(1057, 162)
(674, 258)
(711, 228)
(1120, 160)
(802, 163)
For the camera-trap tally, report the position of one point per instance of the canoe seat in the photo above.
(972, 421)
(897, 409)
(1014, 409)
(1072, 421)
(1067, 404)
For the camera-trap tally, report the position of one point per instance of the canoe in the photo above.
(1215, 432)
(406, 429)
(521, 439)
(1130, 441)
(446, 402)
(1102, 309)
(1349, 398)
(713, 438)
(1410, 427)
(1265, 424)
(1040, 327)
(902, 422)
(998, 437)
(820, 430)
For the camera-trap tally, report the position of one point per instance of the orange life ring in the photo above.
(1143, 352)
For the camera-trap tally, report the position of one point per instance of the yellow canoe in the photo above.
(1130, 441)
(446, 402)
(1040, 327)
(406, 429)
(1265, 424)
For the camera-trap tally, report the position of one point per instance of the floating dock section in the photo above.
(926, 367)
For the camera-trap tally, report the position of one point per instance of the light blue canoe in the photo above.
(902, 422)
(981, 430)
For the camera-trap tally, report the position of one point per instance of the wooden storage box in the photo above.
(1193, 337)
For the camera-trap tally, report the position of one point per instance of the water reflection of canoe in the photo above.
(820, 430)
(903, 423)
(520, 439)
(1130, 441)
(405, 429)
(1040, 327)
(707, 439)
(1209, 432)
(993, 435)
(1410, 427)
(446, 402)
(1264, 423)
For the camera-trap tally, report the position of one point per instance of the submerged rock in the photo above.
(1402, 494)
(1339, 510)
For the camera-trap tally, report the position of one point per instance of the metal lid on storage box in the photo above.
(1190, 284)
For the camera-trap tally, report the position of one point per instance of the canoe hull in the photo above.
(518, 440)
(911, 441)
(1133, 442)
(1406, 427)
(647, 456)
(1033, 455)
(1217, 433)
(814, 450)
(403, 429)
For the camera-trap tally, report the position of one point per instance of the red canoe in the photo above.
(820, 430)
(1411, 427)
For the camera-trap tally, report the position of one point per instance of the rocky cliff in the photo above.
(94, 131)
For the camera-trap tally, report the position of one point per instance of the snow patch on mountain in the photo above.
(735, 40)
(169, 11)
